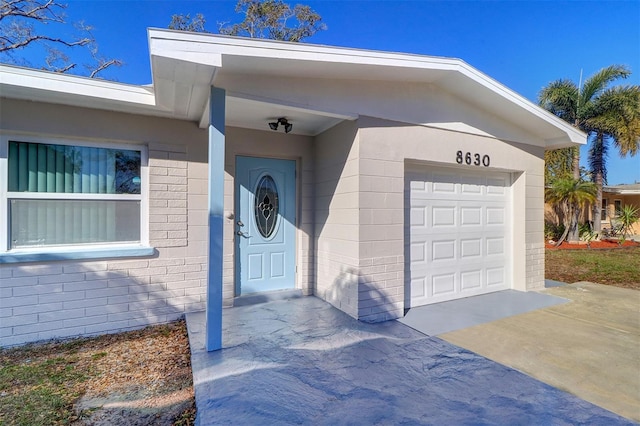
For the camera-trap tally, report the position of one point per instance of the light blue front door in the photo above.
(265, 224)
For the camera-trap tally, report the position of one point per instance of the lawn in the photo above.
(135, 378)
(618, 267)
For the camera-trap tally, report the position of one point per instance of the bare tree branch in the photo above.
(104, 66)
(17, 33)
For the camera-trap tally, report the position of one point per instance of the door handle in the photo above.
(243, 234)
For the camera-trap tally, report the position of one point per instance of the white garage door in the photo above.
(458, 238)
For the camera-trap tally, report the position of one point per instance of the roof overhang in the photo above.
(629, 189)
(185, 65)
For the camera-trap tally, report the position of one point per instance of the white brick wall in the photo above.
(71, 298)
(337, 230)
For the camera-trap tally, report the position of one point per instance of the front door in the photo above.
(265, 224)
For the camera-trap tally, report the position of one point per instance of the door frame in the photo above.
(236, 201)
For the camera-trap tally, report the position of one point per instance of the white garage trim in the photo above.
(458, 233)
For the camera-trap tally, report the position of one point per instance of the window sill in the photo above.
(77, 253)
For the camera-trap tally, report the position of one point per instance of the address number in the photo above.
(472, 158)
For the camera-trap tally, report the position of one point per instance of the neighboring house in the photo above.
(616, 197)
(613, 199)
(401, 180)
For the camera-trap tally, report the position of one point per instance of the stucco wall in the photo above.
(43, 300)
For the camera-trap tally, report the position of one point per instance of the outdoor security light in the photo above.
(287, 126)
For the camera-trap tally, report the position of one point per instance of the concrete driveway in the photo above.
(301, 361)
(589, 346)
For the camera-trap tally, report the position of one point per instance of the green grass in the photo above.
(619, 267)
(39, 392)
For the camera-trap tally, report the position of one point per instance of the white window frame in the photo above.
(604, 207)
(5, 195)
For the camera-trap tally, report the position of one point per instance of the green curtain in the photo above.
(49, 168)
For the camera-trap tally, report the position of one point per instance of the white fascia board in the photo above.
(14, 80)
(571, 134)
(248, 47)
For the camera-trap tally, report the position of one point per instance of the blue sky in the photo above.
(522, 44)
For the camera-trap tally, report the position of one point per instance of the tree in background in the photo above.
(570, 195)
(186, 23)
(272, 19)
(605, 114)
(22, 26)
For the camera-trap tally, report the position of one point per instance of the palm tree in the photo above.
(570, 195)
(604, 114)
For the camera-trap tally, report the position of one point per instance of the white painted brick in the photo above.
(195, 307)
(143, 306)
(148, 320)
(134, 264)
(193, 291)
(126, 298)
(61, 333)
(89, 267)
(61, 297)
(37, 289)
(126, 316)
(85, 303)
(195, 275)
(106, 292)
(112, 326)
(185, 284)
(170, 278)
(122, 282)
(84, 321)
(39, 327)
(62, 278)
(85, 285)
(18, 339)
(146, 288)
(60, 315)
(20, 301)
(6, 292)
(167, 294)
(165, 310)
(38, 308)
(17, 320)
(5, 272)
(32, 270)
(109, 309)
(103, 275)
(177, 203)
(5, 312)
(19, 282)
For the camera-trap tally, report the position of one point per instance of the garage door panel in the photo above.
(457, 238)
(470, 248)
(471, 280)
(443, 284)
(443, 250)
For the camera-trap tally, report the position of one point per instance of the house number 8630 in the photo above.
(472, 158)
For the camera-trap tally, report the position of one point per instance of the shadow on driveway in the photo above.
(302, 361)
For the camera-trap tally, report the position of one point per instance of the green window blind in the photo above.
(37, 167)
(74, 170)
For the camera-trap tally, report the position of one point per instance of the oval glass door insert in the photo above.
(266, 211)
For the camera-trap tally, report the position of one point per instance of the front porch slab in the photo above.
(301, 361)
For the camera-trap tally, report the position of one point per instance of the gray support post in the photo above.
(216, 212)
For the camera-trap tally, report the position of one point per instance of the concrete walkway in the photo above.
(302, 361)
(589, 346)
